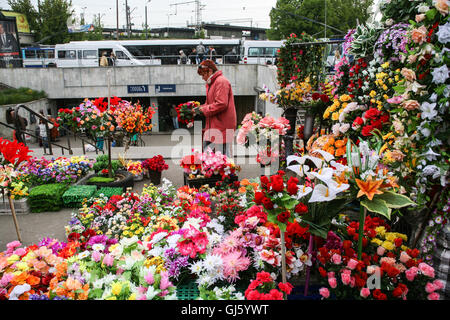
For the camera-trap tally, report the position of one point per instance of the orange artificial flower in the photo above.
(341, 179)
(245, 182)
(33, 280)
(19, 279)
(340, 152)
(369, 187)
(242, 190)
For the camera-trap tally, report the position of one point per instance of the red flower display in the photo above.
(14, 152)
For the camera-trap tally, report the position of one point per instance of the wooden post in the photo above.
(13, 212)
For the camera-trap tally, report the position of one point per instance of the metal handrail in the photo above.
(50, 143)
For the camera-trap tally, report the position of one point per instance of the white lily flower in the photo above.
(322, 193)
(303, 191)
(298, 169)
(337, 187)
(324, 174)
(430, 155)
(339, 167)
(327, 156)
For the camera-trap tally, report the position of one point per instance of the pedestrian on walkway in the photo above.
(201, 50)
(174, 116)
(43, 133)
(183, 57)
(212, 54)
(103, 60)
(219, 109)
(193, 56)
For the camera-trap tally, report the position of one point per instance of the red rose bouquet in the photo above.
(186, 112)
(387, 270)
(265, 288)
(156, 163)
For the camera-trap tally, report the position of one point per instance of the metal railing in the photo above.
(22, 132)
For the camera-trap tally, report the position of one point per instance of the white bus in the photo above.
(168, 51)
(38, 57)
(88, 54)
(259, 51)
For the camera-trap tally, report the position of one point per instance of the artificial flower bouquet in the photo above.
(265, 288)
(133, 118)
(388, 269)
(60, 170)
(186, 113)
(265, 132)
(156, 163)
(91, 117)
(135, 167)
(208, 164)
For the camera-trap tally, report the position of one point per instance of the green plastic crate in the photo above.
(188, 291)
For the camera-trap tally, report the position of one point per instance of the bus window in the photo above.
(254, 52)
(121, 55)
(29, 54)
(270, 52)
(50, 54)
(89, 54)
(67, 54)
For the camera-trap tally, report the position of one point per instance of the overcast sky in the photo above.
(162, 13)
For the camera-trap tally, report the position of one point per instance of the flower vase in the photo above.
(308, 129)
(155, 177)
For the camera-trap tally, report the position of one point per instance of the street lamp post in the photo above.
(117, 19)
(146, 25)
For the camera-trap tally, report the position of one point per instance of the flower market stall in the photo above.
(359, 211)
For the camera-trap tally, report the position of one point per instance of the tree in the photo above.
(26, 7)
(48, 21)
(296, 16)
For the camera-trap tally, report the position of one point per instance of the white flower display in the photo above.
(428, 110)
(440, 75)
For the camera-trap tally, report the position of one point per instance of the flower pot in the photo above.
(155, 177)
(291, 115)
(138, 177)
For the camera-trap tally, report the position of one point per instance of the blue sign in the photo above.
(138, 88)
(160, 88)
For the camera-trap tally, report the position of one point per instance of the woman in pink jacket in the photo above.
(219, 109)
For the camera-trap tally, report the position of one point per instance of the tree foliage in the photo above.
(48, 20)
(295, 16)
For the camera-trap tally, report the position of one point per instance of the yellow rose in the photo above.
(390, 236)
(12, 258)
(388, 245)
(380, 230)
(377, 241)
(335, 116)
(116, 288)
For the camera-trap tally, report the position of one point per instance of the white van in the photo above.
(259, 51)
(88, 53)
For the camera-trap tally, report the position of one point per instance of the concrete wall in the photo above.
(66, 83)
(267, 76)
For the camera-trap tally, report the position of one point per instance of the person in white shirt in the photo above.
(43, 133)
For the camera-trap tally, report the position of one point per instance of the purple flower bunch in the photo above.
(60, 170)
(392, 42)
(175, 262)
(52, 244)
